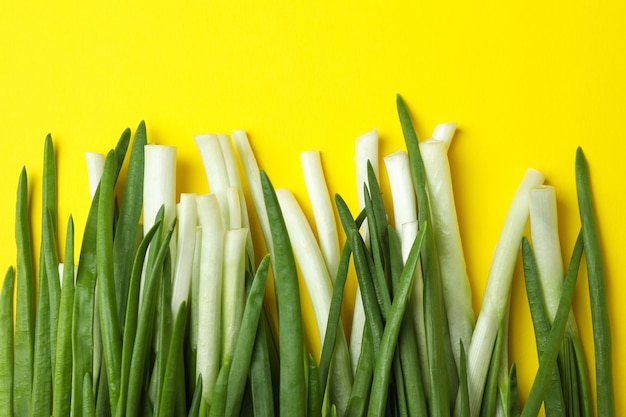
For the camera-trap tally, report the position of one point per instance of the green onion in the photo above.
(127, 226)
(263, 373)
(442, 373)
(334, 313)
(132, 313)
(554, 343)
(402, 194)
(170, 383)
(63, 371)
(6, 341)
(597, 290)
(233, 289)
(50, 268)
(234, 180)
(496, 296)
(371, 308)
(159, 187)
(416, 303)
(85, 334)
(195, 298)
(444, 132)
(216, 172)
(109, 321)
(382, 369)
(210, 293)
(251, 169)
(359, 397)
(163, 336)
(187, 223)
(320, 288)
(322, 209)
(366, 150)
(454, 279)
(145, 326)
(554, 404)
(42, 374)
(48, 256)
(292, 390)
(244, 347)
(547, 250)
(95, 168)
(408, 368)
(24, 309)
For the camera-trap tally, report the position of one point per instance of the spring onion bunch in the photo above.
(167, 313)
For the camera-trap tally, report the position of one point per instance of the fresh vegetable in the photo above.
(180, 322)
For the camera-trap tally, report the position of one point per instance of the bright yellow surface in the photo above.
(527, 82)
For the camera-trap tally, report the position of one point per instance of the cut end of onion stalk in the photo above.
(211, 154)
(445, 132)
(251, 170)
(322, 209)
(366, 150)
(402, 193)
(160, 184)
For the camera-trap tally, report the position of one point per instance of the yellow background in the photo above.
(527, 82)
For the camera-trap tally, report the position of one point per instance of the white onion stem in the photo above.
(497, 291)
(210, 293)
(444, 132)
(402, 192)
(366, 150)
(454, 279)
(233, 289)
(253, 177)
(322, 210)
(187, 222)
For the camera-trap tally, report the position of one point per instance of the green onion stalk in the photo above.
(366, 150)
(455, 282)
(444, 132)
(187, 214)
(496, 295)
(323, 213)
(216, 172)
(210, 293)
(547, 250)
(402, 194)
(233, 289)
(409, 234)
(95, 167)
(597, 290)
(159, 189)
(320, 289)
(251, 170)
(234, 179)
